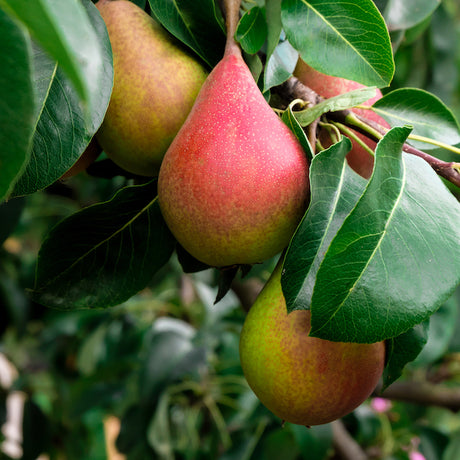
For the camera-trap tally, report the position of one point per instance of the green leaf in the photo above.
(335, 188)
(62, 133)
(104, 254)
(440, 332)
(426, 113)
(251, 32)
(396, 258)
(274, 25)
(36, 431)
(453, 448)
(334, 104)
(166, 350)
(280, 65)
(344, 38)
(404, 14)
(401, 350)
(17, 102)
(10, 212)
(291, 122)
(65, 32)
(197, 24)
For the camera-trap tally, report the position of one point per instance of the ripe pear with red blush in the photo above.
(234, 183)
(301, 379)
(155, 85)
(327, 86)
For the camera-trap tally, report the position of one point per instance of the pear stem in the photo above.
(231, 11)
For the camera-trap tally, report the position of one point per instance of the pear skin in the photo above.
(327, 86)
(234, 183)
(155, 85)
(301, 379)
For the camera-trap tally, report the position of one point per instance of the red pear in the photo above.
(234, 184)
(327, 86)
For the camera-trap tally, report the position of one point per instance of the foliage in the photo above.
(373, 260)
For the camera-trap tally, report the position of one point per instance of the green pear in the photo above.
(328, 86)
(155, 85)
(234, 183)
(302, 379)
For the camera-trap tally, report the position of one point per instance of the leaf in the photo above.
(65, 32)
(251, 32)
(197, 24)
(291, 122)
(426, 113)
(441, 329)
(401, 350)
(404, 14)
(334, 104)
(274, 25)
(188, 263)
(453, 448)
(62, 133)
(280, 65)
(167, 349)
(395, 259)
(104, 254)
(335, 188)
(344, 38)
(36, 431)
(17, 102)
(10, 212)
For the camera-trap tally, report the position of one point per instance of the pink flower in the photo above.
(381, 405)
(416, 456)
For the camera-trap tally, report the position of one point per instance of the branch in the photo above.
(345, 446)
(426, 394)
(448, 170)
(247, 291)
(294, 89)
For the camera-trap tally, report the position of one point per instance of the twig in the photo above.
(448, 170)
(345, 446)
(294, 89)
(426, 394)
(247, 291)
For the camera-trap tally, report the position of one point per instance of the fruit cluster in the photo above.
(233, 184)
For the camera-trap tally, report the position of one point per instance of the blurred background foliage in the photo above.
(159, 375)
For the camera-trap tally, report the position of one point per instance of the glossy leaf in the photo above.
(62, 133)
(280, 65)
(251, 32)
(403, 349)
(333, 104)
(65, 32)
(104, 254)
(197, 24)
(335, 188)
(344, 38)
(427, 114)
(404, 14)
(291, 122)
(396, 258)
(274, 25)
(17, 102)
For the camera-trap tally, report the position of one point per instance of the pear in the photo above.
(302, 379)
(155, 85)
(234, 183)
(87, 158)
(327, 86)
